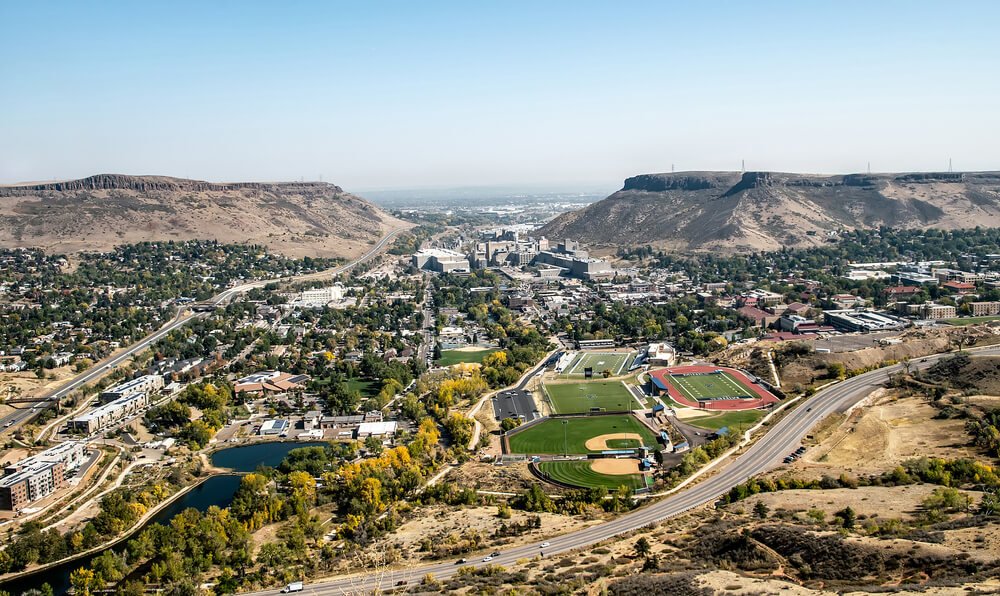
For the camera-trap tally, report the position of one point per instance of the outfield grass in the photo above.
(710, 386)
(573, 398)
(970, 320)
(547, 437)
(579, 473)
(450, 357)
(616, 362)
(730, 419)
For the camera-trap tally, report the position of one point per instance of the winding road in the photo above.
(781, 438)
(17, 417)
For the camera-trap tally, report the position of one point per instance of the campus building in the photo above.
(440, 260)
(38, 476)
(985, 309)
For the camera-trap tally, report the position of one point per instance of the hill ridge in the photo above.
(766, 210)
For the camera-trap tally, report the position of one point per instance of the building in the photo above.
(761, 318)
(376, 429)
(318, 297)
(862, 320)
(959, 287)
(109, 413)
(945, 275)
(273, 427)
(143, 384)
(591, 344)
(269, 381)
(661, 354)
(984, 309)
(916, 279)
(32, 483)
(789, 322)
(440, 260)
(901, 292)
(932, 311)
(575, 266)
(70, 453)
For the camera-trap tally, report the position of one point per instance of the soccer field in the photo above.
(572, 398)
(616, 362)
(701, 387)
(553, 437)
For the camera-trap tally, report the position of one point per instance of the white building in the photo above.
(273, 427)
(376, 429)
(440, 260)
(661, 354)
(319, 297)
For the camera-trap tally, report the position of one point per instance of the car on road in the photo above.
(462, 561)
(487, 559)
(9, 423)
(495, 553)
(809, 409)
(543, 545)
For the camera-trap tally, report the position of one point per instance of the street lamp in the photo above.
(565, 448)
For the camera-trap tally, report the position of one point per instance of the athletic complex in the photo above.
(711, 388)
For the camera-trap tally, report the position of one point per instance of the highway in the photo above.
(18, 416)
(781, 439)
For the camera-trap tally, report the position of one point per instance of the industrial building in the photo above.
(862, 320)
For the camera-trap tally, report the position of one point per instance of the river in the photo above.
(216, 490)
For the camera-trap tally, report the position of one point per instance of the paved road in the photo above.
(17, 417)
(767, 453)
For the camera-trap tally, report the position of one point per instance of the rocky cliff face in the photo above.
(736, 212)
(96, 213)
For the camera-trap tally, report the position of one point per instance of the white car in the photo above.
(543, 545)
(487, 559)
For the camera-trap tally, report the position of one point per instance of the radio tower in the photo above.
(949, 166)
(743, 166)
(869, 167)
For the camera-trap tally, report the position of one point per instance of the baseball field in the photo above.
(581, 435)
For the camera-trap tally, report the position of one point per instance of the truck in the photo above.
(292, 587)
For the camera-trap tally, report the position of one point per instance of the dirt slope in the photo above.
(96, 213)
(735, 212)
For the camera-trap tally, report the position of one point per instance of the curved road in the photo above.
(18, 416)
(767, 453)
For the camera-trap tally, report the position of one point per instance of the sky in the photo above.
(383, 95)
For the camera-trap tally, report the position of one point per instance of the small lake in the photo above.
(217, 490)
(248, 458)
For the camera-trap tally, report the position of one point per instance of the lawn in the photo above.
(710, 386)
(547, 437)
(730, 419)
(366, 387)
(580, 473)
(450, 357)
(573, 398)
(970, 320)
(616, 362)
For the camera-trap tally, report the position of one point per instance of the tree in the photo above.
(508, 424)
(760, 510)
(374, 445)
(847, 517)
(82, 580)
(642, 547)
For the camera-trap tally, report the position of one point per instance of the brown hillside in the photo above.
(99, 212)
(733, 212)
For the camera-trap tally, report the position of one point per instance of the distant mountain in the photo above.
(733, 212)
(99, 212)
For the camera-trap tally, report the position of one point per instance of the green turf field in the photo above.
(547, 437)
(573, 398)
(449, 357)
(366, 387)
(579, 473)
(616, 362)
(711, 386)
(730, 419)
(970, 320)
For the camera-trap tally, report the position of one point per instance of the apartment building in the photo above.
(32, 483)
(985, 309)
(109, 413)
(143, 384)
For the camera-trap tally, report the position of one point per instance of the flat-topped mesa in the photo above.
(159, 183)
(682, 181)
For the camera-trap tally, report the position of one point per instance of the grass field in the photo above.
(365, 387)
(547, 437)
(710, 386)
(449, 357)
(579, 473)
(730, 419)
(970, 320)
(616, 362)
(572, 398)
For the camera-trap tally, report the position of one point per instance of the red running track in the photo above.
(764, 397)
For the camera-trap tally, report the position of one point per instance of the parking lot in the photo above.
(514, 403)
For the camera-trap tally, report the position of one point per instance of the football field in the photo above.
(711, 386)
(616, 362)
(589, 396)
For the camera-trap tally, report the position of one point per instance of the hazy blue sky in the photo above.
(404, 94)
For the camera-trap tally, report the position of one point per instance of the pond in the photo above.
(250, 457)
